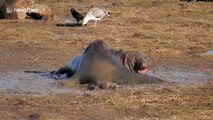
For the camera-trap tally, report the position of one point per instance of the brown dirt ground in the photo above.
(171, 32)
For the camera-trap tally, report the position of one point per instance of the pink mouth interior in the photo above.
(144, 71)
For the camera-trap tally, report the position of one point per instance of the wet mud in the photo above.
(45, 83)
(22, 83)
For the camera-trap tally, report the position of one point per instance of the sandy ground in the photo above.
(174, 34)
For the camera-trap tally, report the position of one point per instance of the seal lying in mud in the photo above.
(133, 60)
(100, 66)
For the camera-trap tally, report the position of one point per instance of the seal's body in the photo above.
(100, 66)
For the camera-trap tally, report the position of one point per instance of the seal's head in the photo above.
(135, 61)
(141, 63)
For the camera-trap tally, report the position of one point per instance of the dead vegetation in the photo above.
(145, 102)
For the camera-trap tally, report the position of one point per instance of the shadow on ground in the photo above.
(69, 25)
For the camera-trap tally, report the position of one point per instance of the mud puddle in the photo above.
(182, 76)
(28, 83)
(45, 84)
(210, 52)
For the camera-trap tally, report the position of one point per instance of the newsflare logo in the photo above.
(9, 10)
(16, 10)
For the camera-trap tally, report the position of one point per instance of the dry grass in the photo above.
(144, 102)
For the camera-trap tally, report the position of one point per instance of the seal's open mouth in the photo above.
(143, 71)
(141, 68)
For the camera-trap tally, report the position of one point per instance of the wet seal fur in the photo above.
(100, 66)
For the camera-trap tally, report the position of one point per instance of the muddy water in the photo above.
(210, 52)
(44, 84)
(182, 76)
(28, 83)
